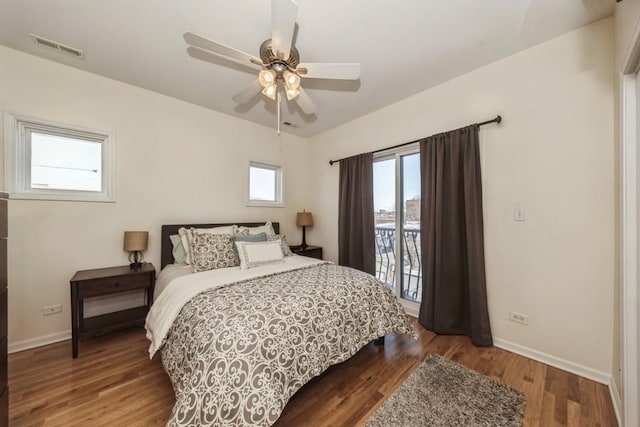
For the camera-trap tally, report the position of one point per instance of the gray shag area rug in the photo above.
(443, 393)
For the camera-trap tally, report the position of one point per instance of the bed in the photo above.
(238, 343)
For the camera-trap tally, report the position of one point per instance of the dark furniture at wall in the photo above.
(108, 281)
(310, 251)
(4, 390)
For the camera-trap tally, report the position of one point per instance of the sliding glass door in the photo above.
(396, 186)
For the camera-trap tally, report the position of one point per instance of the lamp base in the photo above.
(135, 258)
(304, 238)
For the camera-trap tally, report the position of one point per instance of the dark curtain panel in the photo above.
(454, 295)
(355, 217)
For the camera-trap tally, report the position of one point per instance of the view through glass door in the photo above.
(396, 200)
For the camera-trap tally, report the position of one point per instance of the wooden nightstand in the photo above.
(310, 251)
(107, 281)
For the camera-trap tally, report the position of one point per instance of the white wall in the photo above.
(176, 162)
(553, 155)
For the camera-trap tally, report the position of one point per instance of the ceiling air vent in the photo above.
(41, 41)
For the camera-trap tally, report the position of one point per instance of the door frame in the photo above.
(629, 220)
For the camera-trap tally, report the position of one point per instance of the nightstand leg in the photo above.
(80, 313)
(74, 319)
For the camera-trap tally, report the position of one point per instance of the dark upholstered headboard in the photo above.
(166, 247)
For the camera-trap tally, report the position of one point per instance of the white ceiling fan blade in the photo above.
(320, 70)
(205, 55)
(220, 49)
(283, 22)
(248, 92)
(305, 103)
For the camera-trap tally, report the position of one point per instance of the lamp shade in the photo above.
(292, 93)
(267, 77)
(135, 240)
(304, 219)
(270, 91)
(291, 80)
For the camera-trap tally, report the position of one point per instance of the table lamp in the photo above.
(304, 219)
(135, 242)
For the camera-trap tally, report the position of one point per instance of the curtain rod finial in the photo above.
(499, 119)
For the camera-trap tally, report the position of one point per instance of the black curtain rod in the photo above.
(497, 119)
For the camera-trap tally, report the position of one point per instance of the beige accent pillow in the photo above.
(229, 229)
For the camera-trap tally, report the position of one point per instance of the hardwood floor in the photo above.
(113, 383)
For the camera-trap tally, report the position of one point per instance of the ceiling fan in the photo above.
(279, 66)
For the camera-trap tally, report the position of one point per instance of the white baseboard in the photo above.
(554, 361)
(615, 399)
(39, 341)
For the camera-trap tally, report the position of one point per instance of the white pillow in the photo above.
(229, 229)
(179, 252)
(267, 228)
(286, 250)
(255, 254)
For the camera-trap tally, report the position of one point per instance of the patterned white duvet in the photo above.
(237, 352)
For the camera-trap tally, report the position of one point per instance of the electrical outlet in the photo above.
(519, 317)
(51, 309)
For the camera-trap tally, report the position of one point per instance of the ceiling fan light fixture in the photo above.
(270, 91)
(278, 65)
(292, 93)
(291, 80)
(267, 78)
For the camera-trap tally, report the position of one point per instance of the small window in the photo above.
(265, 185)
(57, 162)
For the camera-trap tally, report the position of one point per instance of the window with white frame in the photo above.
(265, 185)
(45, 160)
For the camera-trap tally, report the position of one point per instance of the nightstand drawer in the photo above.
(111, 285)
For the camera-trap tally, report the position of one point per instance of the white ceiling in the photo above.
(404, 47)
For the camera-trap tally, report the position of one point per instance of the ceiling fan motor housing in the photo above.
(270, 57)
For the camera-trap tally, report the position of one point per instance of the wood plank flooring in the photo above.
(113, 383)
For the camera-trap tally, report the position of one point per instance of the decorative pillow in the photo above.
(260, 237)
(229, 229)
(267, 228)
(178, 251)
(255, 254)
(210, 251)
(286, 250)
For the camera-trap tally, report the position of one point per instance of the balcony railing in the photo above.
(386, 260)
